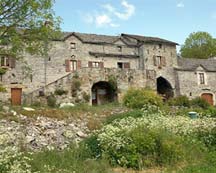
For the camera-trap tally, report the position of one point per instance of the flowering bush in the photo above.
(123, 142)
(13, 161)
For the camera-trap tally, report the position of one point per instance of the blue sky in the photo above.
(169, 19)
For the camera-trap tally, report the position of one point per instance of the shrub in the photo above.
(143, 147)
(200, 102)
(51, 101)
(211, 111)
(137, 98)
(60, 92)
(179, 101)
(2, 89)
(85, 96)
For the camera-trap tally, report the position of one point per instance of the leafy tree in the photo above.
(199, 45)
(26, 26)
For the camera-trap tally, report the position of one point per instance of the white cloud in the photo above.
(110, 15)
(129, 10)
(102, 20)
(180, 5)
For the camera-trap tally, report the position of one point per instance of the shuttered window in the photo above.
(72, 65)
(93, 64)
(123, 65)
(7, 62)
(159, 61)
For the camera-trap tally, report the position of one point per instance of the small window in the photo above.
(159, 60)
(96, 64)
(73, 45)
(31, 77)
(119, 48)
(120, 65)
(201, 78)
(5, 61)
(73, 65)
(160, 46)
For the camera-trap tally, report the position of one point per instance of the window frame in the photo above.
(72, 45)
(201, 78)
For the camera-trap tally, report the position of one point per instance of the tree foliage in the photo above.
(26, 25)
(199, 45)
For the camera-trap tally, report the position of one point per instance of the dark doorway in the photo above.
(164, 88)
(102, 93)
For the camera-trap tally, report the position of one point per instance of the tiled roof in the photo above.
(128, 39)
(190, 64)
(149, 39)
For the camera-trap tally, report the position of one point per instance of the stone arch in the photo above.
(164, 88)
(103, 93)
(208, 96)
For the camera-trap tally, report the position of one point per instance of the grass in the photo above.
(74, 159)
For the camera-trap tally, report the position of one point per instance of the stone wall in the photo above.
(125, 78)
(190, 87)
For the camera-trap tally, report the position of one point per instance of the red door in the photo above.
(208, 97)
(16, 94)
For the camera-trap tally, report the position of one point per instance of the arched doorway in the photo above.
(102, 93)
(208, 97)
(164, 88)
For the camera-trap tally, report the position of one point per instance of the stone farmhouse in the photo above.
(98, 69)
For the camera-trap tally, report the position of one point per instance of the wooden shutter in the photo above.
(101, 65)
(163, 61)
(79, 65)
(67, 65)
(127, 65)
(12, 62)
(155, 60)
(90, 64)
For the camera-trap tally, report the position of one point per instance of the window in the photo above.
(201, 78)
(73, 45)
(151, 74)
(160, 46)
(159, 61)
(123, 65)
(7, 62)
(120, 65)
(73, 65)
(119, 48)
(95, 64)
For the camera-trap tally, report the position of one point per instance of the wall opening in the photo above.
(164, 88)
(208, 97)
(103, 93)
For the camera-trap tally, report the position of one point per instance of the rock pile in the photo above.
(43, 132)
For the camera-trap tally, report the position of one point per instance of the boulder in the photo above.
(63, 105)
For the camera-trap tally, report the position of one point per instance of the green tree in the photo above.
(199, 45)
(26, 25)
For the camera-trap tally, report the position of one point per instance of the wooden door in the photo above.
(208, 97)
(16, 94)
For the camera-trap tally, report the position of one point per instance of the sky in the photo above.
(169, 19)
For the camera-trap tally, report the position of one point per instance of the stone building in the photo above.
(98, 69)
